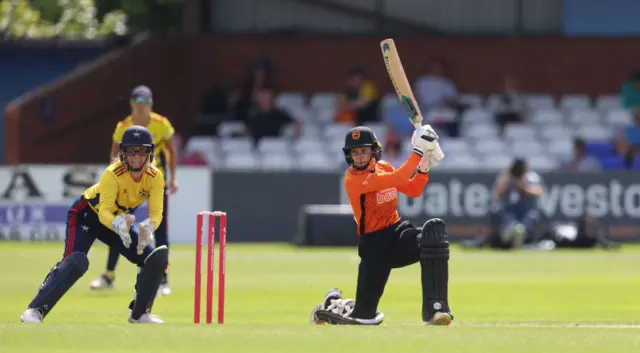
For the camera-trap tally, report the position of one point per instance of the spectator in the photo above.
(358, 101)
(631, 92)
(436, 90)
(515, 195)
(258, 78)
(624, 150)
(265, 120)
(511, 108)
(580, 161)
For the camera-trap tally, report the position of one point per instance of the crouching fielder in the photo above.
(103, 212)
(385, 240)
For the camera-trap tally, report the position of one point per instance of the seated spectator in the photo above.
(515, 197)
(266, 120)
(358, 100)
(258, 78)
(580, 161)
(511, 108)
(435, 90)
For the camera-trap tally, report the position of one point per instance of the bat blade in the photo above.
(400, 82)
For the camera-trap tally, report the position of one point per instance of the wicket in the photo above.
(211, 224)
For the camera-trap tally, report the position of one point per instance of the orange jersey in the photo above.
(373, 194)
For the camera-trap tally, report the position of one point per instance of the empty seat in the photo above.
(560, 148)
(273, 145)
(539, 101)
(315, 161)
(584, 117)
(440, 115)
(489, 146)
(519, 132)
(526, 148)
(477, 114)
(336, 132)
(324, 115)
(542, 163)
(236, 144)
(618, 116)
(205, 145)
(471, 99)
(481, 131)
(496, 162)
(613, 163)
(606, 102)
(231, 128)
(458, 162)
(454, 146)
(575, 101)
(554, 132)
(290, 100)
(305, 144)
(241, 161)
(547, 116)
(389, 100)
(276, 161)
(324, 100)
(591, 132)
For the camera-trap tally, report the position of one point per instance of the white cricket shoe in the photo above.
(31, 315)
(102, 283)
(440, 319)
(164, 289)
(146, 318)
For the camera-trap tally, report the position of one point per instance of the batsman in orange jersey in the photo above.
(385, 240)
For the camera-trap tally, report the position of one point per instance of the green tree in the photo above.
(69, 19)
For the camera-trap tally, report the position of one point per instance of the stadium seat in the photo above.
(496, 162)
(554, 132)
(489, 146)
(481, 131)
(607, 102)
(324, 100)
(539, 101)
(306, 144)
(542, 163)
(471, 99)
(591, 132)
(519, 132)
(473, 115)
(560, 148)
(526, 148)
(206, 145)
(241, 161)
(580, 117)
(599, 149)
(613, 163)
(547, 116)
(268, 145)
(458, 162)
(454, 146)
(618, 116)
(236, 144)
(336, 132)
(276, 161)
(290, 100)
(314, 161)
(231, 128)
(575, 101)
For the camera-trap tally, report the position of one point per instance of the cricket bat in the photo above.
(400, 81)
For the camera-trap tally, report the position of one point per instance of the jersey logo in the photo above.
(144, 194)
(386, 195)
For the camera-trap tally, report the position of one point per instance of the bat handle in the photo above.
(417, 126)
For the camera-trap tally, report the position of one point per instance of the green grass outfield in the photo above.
(587, 301)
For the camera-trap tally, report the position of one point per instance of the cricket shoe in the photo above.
(31, 315)
(103, 282)
(440, 319)
(164, 289)
(515, 235)
(146, 318)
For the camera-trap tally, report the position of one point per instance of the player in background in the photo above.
(103, 212)
(385, 240)
(165, 153)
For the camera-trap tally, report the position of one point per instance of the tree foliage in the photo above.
(86, 19)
